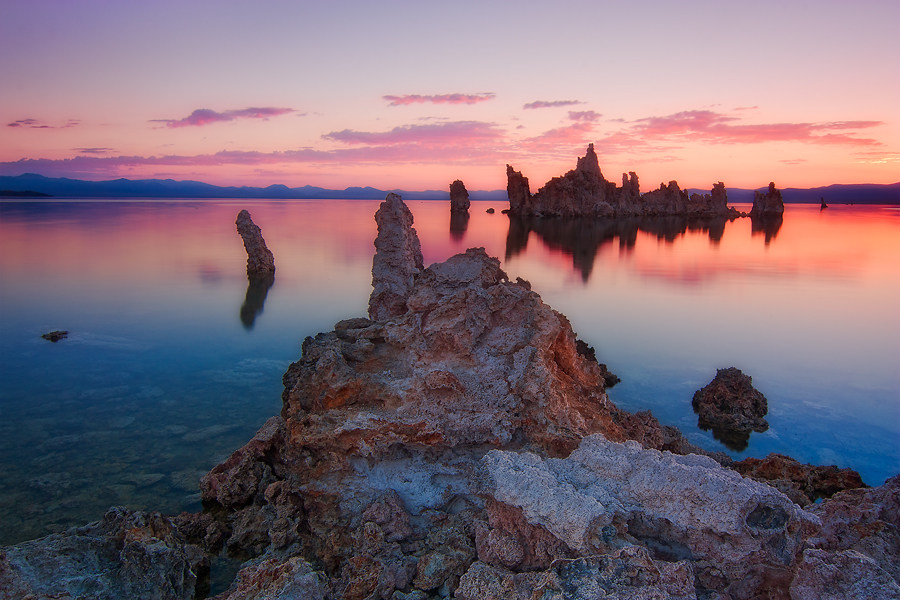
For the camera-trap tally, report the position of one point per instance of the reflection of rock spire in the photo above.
(257, 290)
(260, 269)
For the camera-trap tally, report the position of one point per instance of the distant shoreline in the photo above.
(38, 186)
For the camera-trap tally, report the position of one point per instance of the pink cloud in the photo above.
(205, 116)
(584, 115)
(716, 127)
(439, 99)
(453, 131)
(575, 133)
(551, 103)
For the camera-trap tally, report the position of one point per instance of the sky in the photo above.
(414, 94)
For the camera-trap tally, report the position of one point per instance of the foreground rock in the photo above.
(460, 443)
(585, 192)
(260, 261)
(124, 555)
(731, 407)
(738, 535)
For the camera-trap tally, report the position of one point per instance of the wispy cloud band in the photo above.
(206, 116)
(438, 99)
(550, 104)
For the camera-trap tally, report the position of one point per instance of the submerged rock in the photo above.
(731, 407)
(260, 261)
(55, 336)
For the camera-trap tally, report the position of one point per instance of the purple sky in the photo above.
(415, 94)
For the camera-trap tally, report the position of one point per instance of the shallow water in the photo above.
(170, 364)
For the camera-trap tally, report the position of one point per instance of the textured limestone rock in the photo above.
(585, 192)
(260, 261)
(398, 259)
(627, 573)
(740, 535)
(767, 203)
(124, 555)
(802, 483)
(731, 407)
(273, 579)
(865, 520)
(824, 575)
(459, 197)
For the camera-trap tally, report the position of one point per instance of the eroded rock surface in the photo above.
(584, 191)
(802, 483)
(738, 534)
(124, 555)
(260, 261)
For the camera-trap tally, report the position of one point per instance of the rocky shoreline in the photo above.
(459, 443)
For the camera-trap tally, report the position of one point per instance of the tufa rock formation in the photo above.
(585, 192)
(398, 259)
(768, 203)
(260, 261)
(731, 407)
(460, 443)
(459, 197)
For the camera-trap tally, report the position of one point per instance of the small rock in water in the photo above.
(55, 336)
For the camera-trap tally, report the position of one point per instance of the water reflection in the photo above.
(459, 222)
(582, 238)
(732, 439)
(254, 299)
(767, 225)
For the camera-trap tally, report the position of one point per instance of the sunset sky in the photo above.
(412, 95)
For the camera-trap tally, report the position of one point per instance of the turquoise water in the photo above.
(160, 377)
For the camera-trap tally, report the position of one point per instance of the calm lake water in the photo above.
(170, 364)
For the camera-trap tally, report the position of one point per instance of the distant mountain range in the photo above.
(31, 185)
